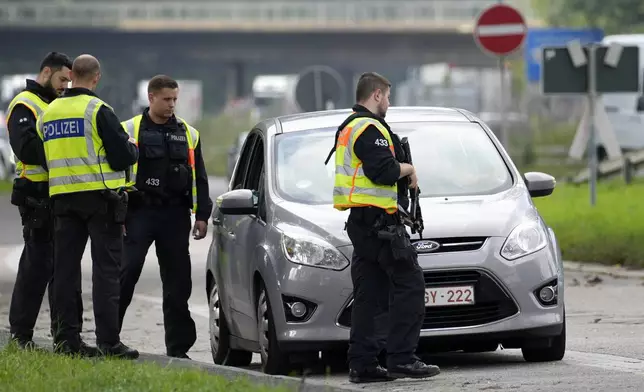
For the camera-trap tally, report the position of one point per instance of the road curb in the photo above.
(594, 268)
(231, 373)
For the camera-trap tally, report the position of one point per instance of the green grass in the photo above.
(610, 232)
(46, 372)
(533, 150)
(217, 135)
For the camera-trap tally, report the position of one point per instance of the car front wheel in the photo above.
(555, 352)
(274, 361)
(222, 354)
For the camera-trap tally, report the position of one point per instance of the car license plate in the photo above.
(449, 296)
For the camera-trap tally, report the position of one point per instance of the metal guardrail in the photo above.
(628, 166)
(378, 15)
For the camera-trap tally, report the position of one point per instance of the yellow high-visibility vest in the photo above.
(75, 153)
(352, 188)
(132, 127)
(34, 173)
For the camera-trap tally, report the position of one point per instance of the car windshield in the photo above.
(451, 159)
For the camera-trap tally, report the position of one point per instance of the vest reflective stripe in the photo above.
(77, 166)
(34, 173)
(132, 127)
(352, 188)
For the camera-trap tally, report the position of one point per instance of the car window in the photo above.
(243, 164)
(256, 166)
(255, 178)
(451, 159)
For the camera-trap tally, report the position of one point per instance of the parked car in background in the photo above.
(277, 277)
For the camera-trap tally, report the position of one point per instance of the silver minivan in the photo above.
(278, 281)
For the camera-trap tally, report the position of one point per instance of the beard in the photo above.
(382, 112)
(50, 87)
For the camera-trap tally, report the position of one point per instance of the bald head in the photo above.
(86, 71)
(85, 67)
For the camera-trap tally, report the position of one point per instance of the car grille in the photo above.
(492, 302)
(456, 244)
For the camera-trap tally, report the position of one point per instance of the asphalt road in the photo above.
(605, 330)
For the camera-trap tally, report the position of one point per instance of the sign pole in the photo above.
(592, 144)
(505, 139)
(500, 30)
(504, 127)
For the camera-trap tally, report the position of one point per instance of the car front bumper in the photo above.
(506, 308)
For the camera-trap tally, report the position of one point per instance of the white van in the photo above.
(626, 110)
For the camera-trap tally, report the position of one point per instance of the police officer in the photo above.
(170, 178)
(31, 195)
(371, 182)
(87, 154)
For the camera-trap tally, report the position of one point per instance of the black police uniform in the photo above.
(159, 212)
(374, 269)
(91, 214)
(35, 269)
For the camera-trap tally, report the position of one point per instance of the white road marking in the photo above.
(197, 310)
(500, 30)
(605, 362)
(12, 253)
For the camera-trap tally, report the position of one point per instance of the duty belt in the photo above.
(159, 201)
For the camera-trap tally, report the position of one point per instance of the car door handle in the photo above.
(231, 235)
(216, 221)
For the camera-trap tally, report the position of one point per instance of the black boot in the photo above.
(79, 348)
(377, 374)
(25, 343)
(119, 350)
(417, 369)
(179, 355)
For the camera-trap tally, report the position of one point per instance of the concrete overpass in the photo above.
(228, 44)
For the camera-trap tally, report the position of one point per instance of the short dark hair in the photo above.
(56, 61)
(368, 83)
(160, 82)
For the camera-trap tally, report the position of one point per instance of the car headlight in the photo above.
(526, 238)
(311, 251)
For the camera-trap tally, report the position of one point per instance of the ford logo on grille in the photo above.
(426, 246)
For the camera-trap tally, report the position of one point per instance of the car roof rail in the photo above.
(467, 114)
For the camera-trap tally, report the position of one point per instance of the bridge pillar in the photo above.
(235, 80)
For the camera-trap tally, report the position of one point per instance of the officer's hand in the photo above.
(200, 230)
(413, 180)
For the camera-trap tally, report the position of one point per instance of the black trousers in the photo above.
(77, 217)
(382, 284)
(169, 228)
(35, 271)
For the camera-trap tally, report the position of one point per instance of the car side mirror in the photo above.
(539, 184)
(238, 202)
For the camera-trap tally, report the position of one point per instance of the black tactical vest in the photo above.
(164, 169)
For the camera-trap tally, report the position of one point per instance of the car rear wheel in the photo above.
(274, 361)
(222, 354)
(555, 352)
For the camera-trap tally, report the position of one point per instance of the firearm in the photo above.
(415, 217)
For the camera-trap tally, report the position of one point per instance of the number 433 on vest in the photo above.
(152, 182)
